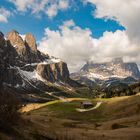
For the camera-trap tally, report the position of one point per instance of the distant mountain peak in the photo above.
(116, 68)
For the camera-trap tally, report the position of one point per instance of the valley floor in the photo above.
(115, 119)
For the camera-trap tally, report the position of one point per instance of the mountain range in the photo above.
(115, 69)
(26, 69)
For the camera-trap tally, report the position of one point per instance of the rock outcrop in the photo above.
(23, 66)
(25, 48)
(115, 68)
(54, 71)
(17, 42)
(108, 72)
(31, 42)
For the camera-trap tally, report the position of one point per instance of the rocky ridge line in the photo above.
(24, 66)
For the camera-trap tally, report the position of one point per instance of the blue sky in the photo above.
(80, 13)
(77, 30)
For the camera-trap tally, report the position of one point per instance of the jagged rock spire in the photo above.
(31, 42)
(17, 42)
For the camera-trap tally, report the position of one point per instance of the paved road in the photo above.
(93, 108)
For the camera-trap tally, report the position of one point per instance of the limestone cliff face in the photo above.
(31, 42)
(17, 42)
(25, 50)
(53, 72)
(107, 72)
(22, 65)
(116, 68)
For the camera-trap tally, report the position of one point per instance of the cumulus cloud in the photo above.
(70, 43)
(22, 5)
(117, 44)
(49, 7)
(125, 12)
(4, 15)
(76, 46)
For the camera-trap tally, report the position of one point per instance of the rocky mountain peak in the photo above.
(15, 39)
(31, 42)
(107, 70)
(17, 42)
(23, 66)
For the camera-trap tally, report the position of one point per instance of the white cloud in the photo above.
(4, 15)
(69, 23)
(52, 10)
(22, 5)
(76, 46)
(126, 12)
(70, 43)
(49, 7)
(63, 4)
(117, 44)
